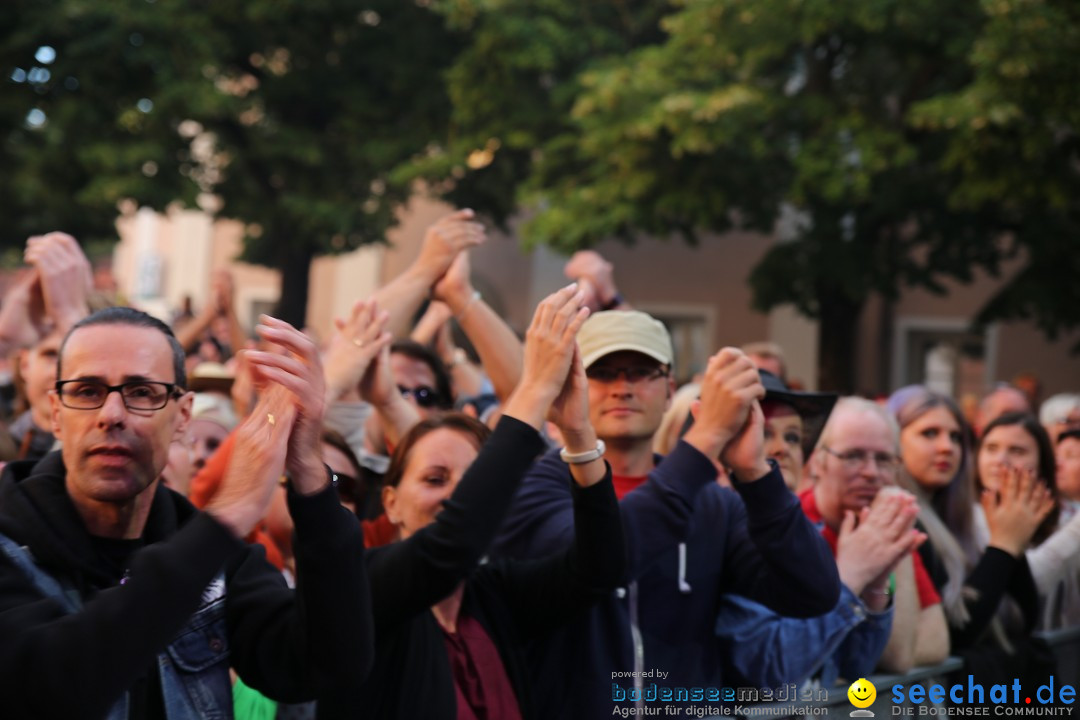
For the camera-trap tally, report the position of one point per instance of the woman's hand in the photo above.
(1016, 510)
(550, 344)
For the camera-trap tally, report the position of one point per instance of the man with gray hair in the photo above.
(856, 458)
(1059, 413)
(689, 540)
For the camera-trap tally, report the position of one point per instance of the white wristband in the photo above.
(584, 457)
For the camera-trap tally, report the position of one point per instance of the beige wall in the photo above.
(670, 278)
(189, 248)
(1022, 348)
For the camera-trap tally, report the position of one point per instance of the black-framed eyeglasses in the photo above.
(632, 373)
(857, 458)
(137, 394)
(424, 396)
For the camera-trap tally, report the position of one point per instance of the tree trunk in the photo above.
(837, 334)
(295, 267)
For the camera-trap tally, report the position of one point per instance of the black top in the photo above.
(996, 576)
(513, 601)
(288, 645)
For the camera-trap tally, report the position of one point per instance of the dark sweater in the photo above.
(514, 602)
(290, 646)
(999, 586)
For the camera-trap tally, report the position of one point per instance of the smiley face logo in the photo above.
(862, 693)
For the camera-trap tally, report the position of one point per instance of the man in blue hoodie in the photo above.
(689, 540)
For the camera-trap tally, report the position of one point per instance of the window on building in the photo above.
(950, 361)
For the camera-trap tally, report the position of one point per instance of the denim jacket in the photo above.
(764, 649)
(194, 668)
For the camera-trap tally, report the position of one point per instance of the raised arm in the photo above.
(396, 414)
(499, 349)
(403, 295)
(52, 296)
(226, 301)
(413, 574)
(64, 274)
(20, 325)
(356, 342)
(327, 638)
(545, 593)
(596, 276)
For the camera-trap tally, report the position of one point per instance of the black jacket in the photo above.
(288, 645)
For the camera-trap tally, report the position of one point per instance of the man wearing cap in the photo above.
(688, 539)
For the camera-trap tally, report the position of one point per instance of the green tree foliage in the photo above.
(322, 100)
(1014, 141)
(513, 86)
(292, 112)
(889, 132)
(84, 115)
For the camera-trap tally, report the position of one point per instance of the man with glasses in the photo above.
(117, 598)
(871, 533)
(689, 540)
(421, 377)
(856, 457)
(422, 380)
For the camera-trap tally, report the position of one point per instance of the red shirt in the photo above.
(625, 483)
(481, 685)
(928, 594)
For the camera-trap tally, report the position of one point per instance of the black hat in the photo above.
(813, 408)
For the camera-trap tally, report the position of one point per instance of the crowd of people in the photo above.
(392, 524)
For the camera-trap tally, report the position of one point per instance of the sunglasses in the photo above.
(424, 396)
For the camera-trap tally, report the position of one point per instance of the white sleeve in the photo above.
(1056, 556)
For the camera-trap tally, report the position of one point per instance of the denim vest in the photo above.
(194, 668)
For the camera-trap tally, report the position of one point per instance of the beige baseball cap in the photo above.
(618, 330)
(214, 407)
